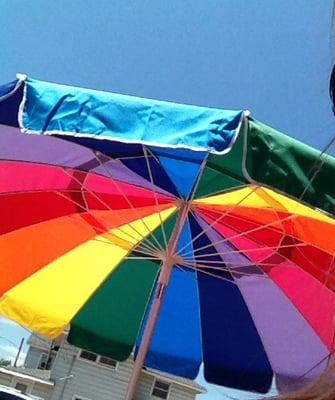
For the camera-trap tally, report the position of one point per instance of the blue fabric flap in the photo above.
(52, 108)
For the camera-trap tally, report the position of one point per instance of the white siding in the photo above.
(95, 382)
(177, 392)
(75, 376)
(5, 379)
(89, 380)
(33, 357)
(39, 341)
(144, 387)
(42, 391)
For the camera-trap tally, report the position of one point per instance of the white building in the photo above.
(59, 371)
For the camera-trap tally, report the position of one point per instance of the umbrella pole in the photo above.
(168, 261)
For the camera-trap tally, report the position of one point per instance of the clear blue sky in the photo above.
(271, 57)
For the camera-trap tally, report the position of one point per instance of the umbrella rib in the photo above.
(327, 274)
(218, 192)
(145, 152)
(284, 233)
(201, 171)
(144, 249)
(311, 179)
(238, 264)
(283, 256)
(158, 161)
(243, 184)
(142, 258)
(131, 205)
(83, 185)
(256, 264)
(139, 249)
(328, 356)
(254, 189)
(260, 227)
(242, 251)
(101, 220)
(150, 244)
(131, 158)
(250, 230)
(200, 267)
(218, 219)
(107, 230)
(271, 228)
(208, 273)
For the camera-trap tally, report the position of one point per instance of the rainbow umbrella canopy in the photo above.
(114, 206)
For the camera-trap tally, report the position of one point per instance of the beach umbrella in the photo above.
(186, 234)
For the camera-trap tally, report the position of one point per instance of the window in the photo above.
(50, 361)
(76, 397)
(93, 357)
(160, 389)
(108, 361)
(87, 355)
(43, 361)
(21, 387)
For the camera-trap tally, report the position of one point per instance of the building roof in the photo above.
(177, 379)
(30, 374)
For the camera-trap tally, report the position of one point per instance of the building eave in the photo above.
(26, 377)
